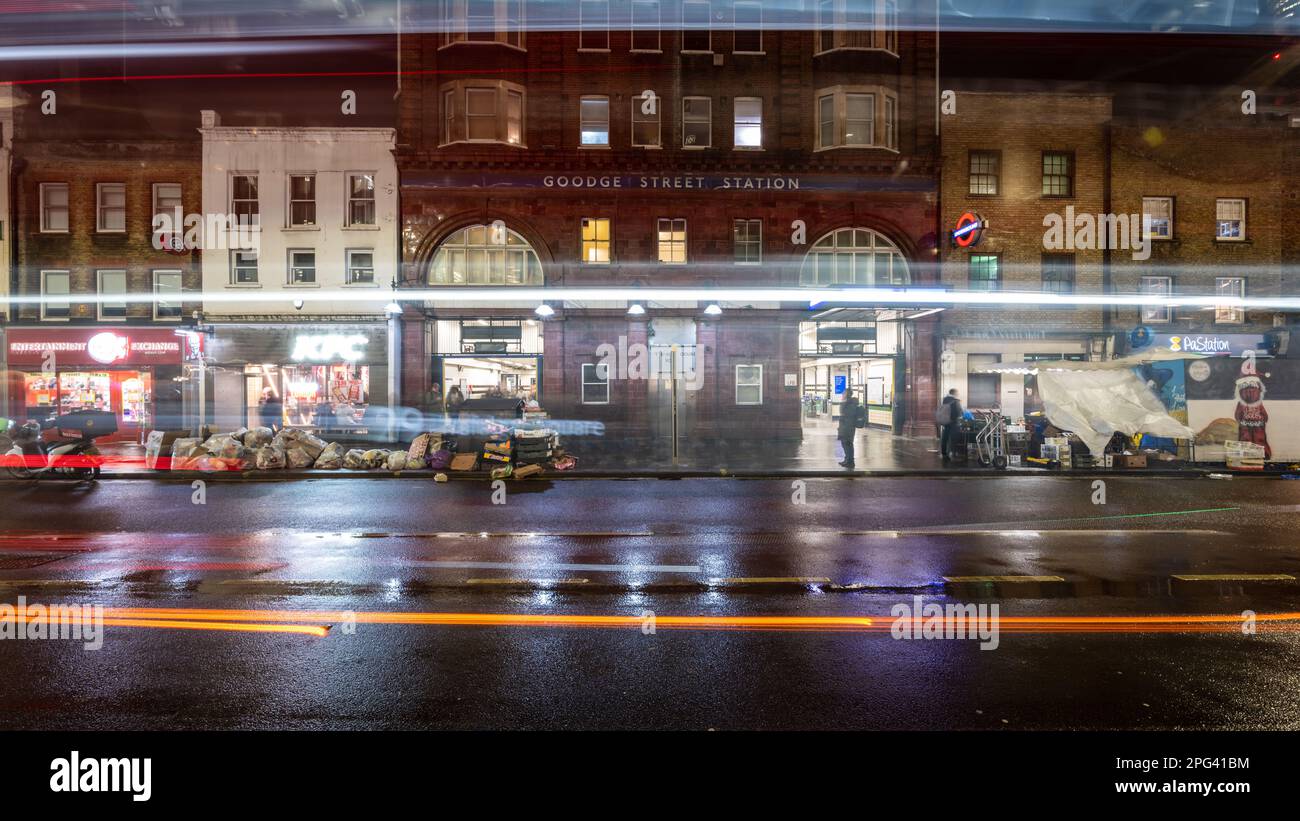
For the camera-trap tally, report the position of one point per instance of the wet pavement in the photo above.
(649, 551)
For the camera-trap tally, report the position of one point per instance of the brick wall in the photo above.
(83, 250)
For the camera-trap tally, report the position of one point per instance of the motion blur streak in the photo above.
(182, 624)
(1025, 624)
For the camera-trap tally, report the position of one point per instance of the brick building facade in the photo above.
(1013, 159)
(752, 128)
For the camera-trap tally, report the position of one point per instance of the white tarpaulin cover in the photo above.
(1095, 404)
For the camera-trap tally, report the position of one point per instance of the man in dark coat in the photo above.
(852, 417)
(949, 422)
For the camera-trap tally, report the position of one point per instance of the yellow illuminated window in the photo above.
(595, 240)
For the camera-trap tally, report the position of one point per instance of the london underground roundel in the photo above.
(968, 231)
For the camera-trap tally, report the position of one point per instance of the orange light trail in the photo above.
(1203, 623)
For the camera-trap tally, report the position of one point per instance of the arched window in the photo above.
(485, 255)
(854, 256)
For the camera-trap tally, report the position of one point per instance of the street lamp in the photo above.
(636, 309)
(713, 309)
(544, 311)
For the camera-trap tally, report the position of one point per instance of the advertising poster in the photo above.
(1247, 400)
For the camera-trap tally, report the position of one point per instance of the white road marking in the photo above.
(533, 567)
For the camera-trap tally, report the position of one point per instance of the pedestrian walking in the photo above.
(852, 417)
(271, 409)
(454, 400)
(948, 416)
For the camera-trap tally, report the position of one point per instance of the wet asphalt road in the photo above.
(690, 547)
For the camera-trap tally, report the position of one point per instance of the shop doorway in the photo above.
(825, 381)
(127, 394)
(674, 383)
(331, 398)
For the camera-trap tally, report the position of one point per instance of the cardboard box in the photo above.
(464, 461)
(1127, 461)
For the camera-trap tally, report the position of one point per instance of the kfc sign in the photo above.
(327, 347)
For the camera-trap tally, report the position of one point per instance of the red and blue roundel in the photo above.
(968, 231)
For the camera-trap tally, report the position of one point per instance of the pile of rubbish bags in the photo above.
(263, 449)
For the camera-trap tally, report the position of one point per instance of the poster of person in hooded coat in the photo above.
(1244, 400)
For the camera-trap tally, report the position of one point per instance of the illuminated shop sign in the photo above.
(969, 230)
(1221, 344)
(327, 347)
(93, 347)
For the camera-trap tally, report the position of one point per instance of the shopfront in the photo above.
(132, 373)
(323, 377)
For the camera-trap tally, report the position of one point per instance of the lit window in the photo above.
(984, 274)
(747, 237)
(110, 207)
(1230, 220)
(167, 295)
(485, 255)
(483, 111)
(1230, 288)
(361, 199)
(361, 267)
(595, 121)
(984, 170)
(111, 284)
(55, 284)
(854, 256)
(54, 207)
(302, 199)
(749, 384)
(697, 122)
(595, 383)
(1058, 174)
(1158, 217)
(749, 122)
(1156, 286)
(595, 240)
(672, 241)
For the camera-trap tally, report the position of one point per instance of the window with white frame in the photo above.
(593, 25)
(748, 131)
(167, 295)
(594, 126)
(672, 241)
(1229, 288)
(857, 24)
(483, 111)
(595, 383)
(483, 21)
(854, 256)
(361, 266)
(697, 32)
(302, 200)
(646, 24)
(167, 200)
(749, 384)
(302, 266)
(110, 207)
(1158, 217)
(984, 171)
(55, 288)
(595, 240)
(361, 199)
(1230, 219)
(747, 239)
(112, 284)
(646, 131)
(485, 255)
(747, 20)
(243, 267)
(697, 122)
(849, 116)
(243, 199)
(1156, 286)
(54, 207)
